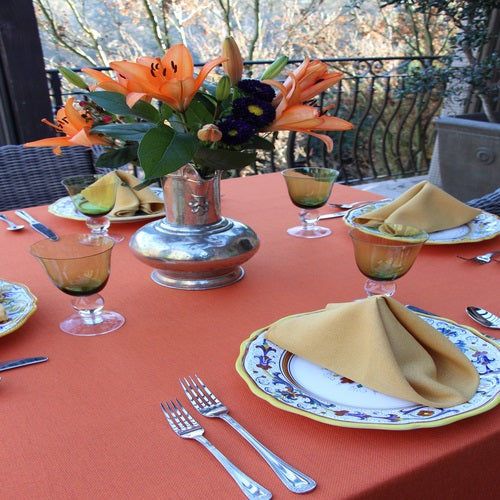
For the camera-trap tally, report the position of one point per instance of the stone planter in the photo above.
(468, 151)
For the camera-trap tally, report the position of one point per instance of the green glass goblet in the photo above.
(94, 196)
(79, 265)
(385, 259)
(309, 189)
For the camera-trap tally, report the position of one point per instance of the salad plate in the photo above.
(64, 208)
(296, 385)
(483, 227)
(19, 304)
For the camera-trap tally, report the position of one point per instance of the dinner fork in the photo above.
(206, 403)
(482, 259)
(185, 426)
(345, 206)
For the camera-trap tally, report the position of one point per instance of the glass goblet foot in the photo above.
(91, 319)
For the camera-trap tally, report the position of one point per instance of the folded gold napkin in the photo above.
(424, 206)
(128, 200)
(379, 343)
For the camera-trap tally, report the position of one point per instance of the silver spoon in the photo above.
(12, 226)
(483, 317)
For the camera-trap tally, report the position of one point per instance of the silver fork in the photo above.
(345, 206)
(481, 259)
(185, 426)
(209, 406)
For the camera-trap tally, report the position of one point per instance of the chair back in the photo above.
(32, 176)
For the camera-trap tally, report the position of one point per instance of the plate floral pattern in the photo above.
(19, 304)
(64, 208)
(484, 227)
(335, 400)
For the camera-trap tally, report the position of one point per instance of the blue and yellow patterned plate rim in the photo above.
(483, 227)
(267, 371)
(19, 303)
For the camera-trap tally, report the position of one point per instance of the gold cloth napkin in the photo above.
(379, 343)
(424, 206)
(128, 200)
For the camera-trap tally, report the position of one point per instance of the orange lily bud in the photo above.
(234, 64)
(223, 88)
(209, 133)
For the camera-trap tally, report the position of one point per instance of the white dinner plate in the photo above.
(64, 207)
(484, 227)
(19, 303)
(298, 386)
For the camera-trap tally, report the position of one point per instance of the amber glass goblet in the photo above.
(309, 189)
(385, 259)
(94, 200)
(79, 265)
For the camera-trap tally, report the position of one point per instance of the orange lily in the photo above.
(107, 83)
(169, 79)
(76, 127)
(291, 114)
(311, 78)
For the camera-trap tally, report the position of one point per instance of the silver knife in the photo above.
(37, 226)
(333, 216)
(16, 363)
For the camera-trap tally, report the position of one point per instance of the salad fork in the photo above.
(207, 404)
(185, 426)
(481, 259)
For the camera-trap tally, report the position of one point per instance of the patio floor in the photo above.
(394, 187)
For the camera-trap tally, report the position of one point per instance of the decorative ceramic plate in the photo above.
(19, 304)
(298, 386)
(484, 227)
(64, 207)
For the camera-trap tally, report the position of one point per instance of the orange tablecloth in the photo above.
(87, 423)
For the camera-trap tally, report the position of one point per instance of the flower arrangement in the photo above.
(213, 125)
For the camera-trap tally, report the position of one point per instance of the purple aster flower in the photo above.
(259, 113)
(235, 131)
(257, 89)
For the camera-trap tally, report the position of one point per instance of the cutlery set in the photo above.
(36, 225)
(207, 404)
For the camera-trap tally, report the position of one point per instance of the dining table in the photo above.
(87, 423)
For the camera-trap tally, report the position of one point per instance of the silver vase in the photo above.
(193, 247)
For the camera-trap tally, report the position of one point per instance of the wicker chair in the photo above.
(32, 176)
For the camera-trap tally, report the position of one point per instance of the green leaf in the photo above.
(115, 103)
(163, 150)
(116, 158)
(223, 159)
(72, 77)
(133, 131)
(200, 111)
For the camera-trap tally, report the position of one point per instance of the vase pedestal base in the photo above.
(197, 281)
(195, 257)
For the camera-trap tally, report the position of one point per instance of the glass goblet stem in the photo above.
(98, 225)
(387, 288)
(89, 308)
(309, 228)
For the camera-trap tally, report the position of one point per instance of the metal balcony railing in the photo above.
(393, 135)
